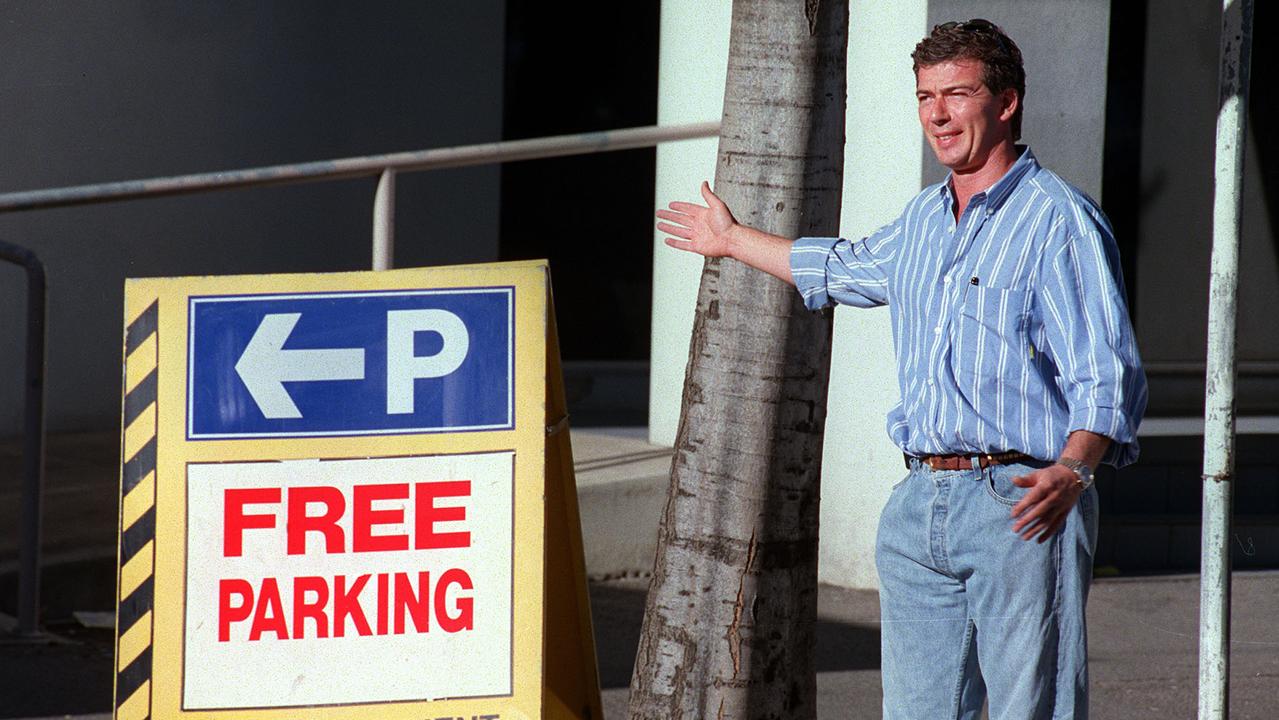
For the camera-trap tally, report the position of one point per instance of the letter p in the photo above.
(229, 612)
(403, 366)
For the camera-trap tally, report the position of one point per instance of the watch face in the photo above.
(1085, 475)
(1081, 470)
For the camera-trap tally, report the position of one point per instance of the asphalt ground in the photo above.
(1143, 631)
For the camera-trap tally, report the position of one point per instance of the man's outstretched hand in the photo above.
(712, 231)
(703, 230)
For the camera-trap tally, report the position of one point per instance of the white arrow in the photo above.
(265, 365)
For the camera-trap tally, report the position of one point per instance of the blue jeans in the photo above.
(971, 609)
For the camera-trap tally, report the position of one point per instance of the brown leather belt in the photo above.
(964, 462)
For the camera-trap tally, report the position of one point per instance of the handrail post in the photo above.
(1219, 400)
(33, 441)
(384, 221)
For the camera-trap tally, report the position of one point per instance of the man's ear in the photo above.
(1009, 101)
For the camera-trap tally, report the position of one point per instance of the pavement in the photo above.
(1143, 631)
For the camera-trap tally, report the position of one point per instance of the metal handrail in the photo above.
(363, 166)
(385, 165)
(33, 440)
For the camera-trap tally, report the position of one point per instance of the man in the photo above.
(1018, 373)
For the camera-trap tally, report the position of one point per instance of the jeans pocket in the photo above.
(999, 483)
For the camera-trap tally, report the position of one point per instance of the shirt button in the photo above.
(946, 280)
(930, 382)
(937, 330)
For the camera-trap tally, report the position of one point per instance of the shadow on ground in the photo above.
(618, 613)
(68, 672)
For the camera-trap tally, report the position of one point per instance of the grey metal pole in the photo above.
(1219, 401)
(384, 222)
(33, 441)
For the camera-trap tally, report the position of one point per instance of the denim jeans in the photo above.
(970, 609)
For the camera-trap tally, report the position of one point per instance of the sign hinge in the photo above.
(558, 425)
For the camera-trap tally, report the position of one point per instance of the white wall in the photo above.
(859, 462)
(692, 63)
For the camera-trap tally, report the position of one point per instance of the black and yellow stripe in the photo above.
(137, 520)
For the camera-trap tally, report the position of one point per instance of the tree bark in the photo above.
(730, 616)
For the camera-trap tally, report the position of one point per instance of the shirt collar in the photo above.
(996, 194)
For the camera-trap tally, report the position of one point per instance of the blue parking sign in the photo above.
(350, 363)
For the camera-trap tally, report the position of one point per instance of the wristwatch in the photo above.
(1083, 473)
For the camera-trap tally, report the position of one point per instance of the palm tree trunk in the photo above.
(729, 622)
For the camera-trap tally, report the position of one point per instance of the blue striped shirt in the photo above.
(1010, 325)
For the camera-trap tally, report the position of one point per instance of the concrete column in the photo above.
(692, 65)
(859, 462)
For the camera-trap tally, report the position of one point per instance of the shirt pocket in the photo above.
(991, 333)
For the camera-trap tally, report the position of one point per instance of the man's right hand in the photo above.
(704, 230)
(712, 231)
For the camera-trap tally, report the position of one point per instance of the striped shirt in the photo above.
(1010, 325)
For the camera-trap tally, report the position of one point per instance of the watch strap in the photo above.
(1083, 473)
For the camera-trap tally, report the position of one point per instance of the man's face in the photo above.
(962, 119)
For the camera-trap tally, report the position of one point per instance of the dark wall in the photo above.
(579, 67)
(94, 92)
(1179, 131)
(1174, 204)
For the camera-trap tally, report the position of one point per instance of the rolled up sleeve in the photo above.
(1092, 342)
(834, 270)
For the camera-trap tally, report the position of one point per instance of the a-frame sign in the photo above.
(349, 495)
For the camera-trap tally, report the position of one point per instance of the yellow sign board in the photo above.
(349, 495)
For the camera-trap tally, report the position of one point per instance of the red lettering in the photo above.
(464, 620)
(347, 602)
(426, 515)
(383, 602)
(268, 616)
(299, 523)
(228, 613)
(418, 604)
(365, 518)
(313, 609)
(399, 603)
(235, 521)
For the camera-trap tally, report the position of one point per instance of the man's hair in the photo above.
(981, 40)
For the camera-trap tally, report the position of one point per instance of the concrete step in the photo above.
(621, 491)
